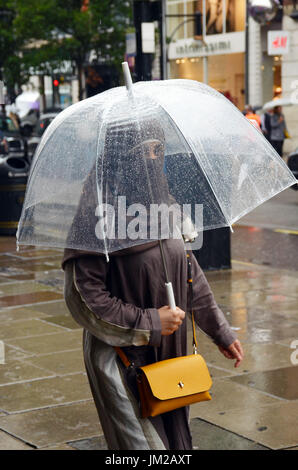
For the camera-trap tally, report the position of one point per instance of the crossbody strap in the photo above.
(190, 286)
(123, 356)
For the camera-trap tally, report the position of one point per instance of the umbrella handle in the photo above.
(170, 293)
(127, 76)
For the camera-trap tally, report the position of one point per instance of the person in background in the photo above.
(253, 117)
(266, 124)
(278, 128)
(3, 144)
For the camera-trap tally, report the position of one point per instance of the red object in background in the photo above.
(85, 5)
(56, 83)
(280, 41)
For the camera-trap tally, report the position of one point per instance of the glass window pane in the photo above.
(236, 12)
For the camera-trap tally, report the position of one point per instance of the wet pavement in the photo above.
(45, 401)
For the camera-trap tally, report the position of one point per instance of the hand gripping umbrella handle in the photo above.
(170, 293)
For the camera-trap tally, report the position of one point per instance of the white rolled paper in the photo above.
(171, 297)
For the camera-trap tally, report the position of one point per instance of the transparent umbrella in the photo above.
(120, 168)
(279, 102)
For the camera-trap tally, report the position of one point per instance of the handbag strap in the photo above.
(190, 285)
(121, 353)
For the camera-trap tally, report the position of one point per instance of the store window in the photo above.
(222, 16)
(226, 74)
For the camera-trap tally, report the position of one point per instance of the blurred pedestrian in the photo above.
(3, 144)
(278, 129)
(266, 124)
(254, 118)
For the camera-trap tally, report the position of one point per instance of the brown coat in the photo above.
(123, 296)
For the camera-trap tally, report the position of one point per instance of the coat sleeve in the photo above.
(207, 314)
(108, 318)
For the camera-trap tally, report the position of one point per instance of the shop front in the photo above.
(219, 58)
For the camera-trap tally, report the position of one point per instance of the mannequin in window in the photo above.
(215, 12)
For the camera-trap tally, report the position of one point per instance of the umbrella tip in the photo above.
(127, 76)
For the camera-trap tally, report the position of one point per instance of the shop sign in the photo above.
(215, 44)
(278, 42)
(131, 44)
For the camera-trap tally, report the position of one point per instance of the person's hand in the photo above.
(281, 119)
(234, 351)
(170, 319)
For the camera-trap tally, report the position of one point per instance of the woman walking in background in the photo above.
(278, 128)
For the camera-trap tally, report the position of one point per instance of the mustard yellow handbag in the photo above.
(173, 383)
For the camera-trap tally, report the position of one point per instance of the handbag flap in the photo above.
(178, 377)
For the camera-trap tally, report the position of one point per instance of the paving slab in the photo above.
(256, 298)
(51, 308)
(282, 383)
(21, 313)
(66, 321)
(284, 308)
(22, 287)
(52, 283)
(225, 396)
(53, 426)
(62, 363)
(8, 442)
(13, 353)
(29, 298)
(94, 443)
(38, 253)
(242, 316)
(45, 344)
(19, 371)
(267, 332)
(44, 393)
(4, 280)
(60, 447)
(9, 244)
(24, 328)
(274, 426)
(237, 273)
(276, 283)
(257, 357)
(207, 436)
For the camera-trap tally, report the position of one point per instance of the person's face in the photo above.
(150, 149)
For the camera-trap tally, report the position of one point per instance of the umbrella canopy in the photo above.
(278, 102)
(105, 163)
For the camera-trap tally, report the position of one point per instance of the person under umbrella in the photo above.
(123, 302)
(278, 128)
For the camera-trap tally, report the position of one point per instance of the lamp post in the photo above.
(143, 20)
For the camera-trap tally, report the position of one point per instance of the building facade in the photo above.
(289, 75)
(237, 56)
(219, 60)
